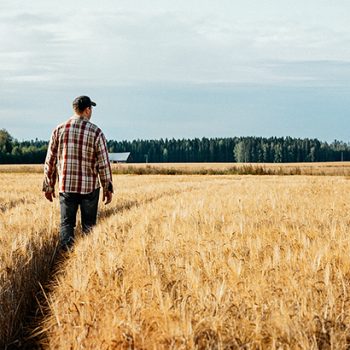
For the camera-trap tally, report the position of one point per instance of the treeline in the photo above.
(24, 152)
(234, 149)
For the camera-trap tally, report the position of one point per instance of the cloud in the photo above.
(29, 47)
(165, 68)
(121, 46)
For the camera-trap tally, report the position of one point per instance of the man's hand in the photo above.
(107, 196)
(50, 195)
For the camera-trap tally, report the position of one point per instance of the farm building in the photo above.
(122, 157)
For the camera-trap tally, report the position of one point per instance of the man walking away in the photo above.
(78, 154)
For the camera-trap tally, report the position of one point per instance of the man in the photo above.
(78, 154)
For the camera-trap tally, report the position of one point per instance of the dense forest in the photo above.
(233, 149)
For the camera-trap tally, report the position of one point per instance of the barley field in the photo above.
(180, 262)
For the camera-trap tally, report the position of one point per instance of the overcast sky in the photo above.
(161, 68)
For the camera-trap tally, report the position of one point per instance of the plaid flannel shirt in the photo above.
(78, 154)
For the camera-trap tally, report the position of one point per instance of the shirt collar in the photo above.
(76, 116)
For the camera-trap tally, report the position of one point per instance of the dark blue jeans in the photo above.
(69, 203)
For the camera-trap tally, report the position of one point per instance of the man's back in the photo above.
(78, 154)
(77, 159)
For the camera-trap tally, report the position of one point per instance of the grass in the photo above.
(185, 262)
(27, 246)
(317, 169)
(29, 236)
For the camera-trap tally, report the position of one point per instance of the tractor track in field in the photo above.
(30, 332)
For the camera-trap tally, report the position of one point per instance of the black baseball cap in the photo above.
(82, 102)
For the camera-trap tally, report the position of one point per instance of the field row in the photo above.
(241, 263)
(29, 235)
(191, 262)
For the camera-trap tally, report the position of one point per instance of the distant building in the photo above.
(119, 157)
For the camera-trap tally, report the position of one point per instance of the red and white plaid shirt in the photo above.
(78, 154)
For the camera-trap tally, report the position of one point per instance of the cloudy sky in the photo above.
(160, 68)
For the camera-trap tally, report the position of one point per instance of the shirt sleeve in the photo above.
(104, 166)
(50, 168)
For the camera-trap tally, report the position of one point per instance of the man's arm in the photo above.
(104, 168)
(50, 171)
